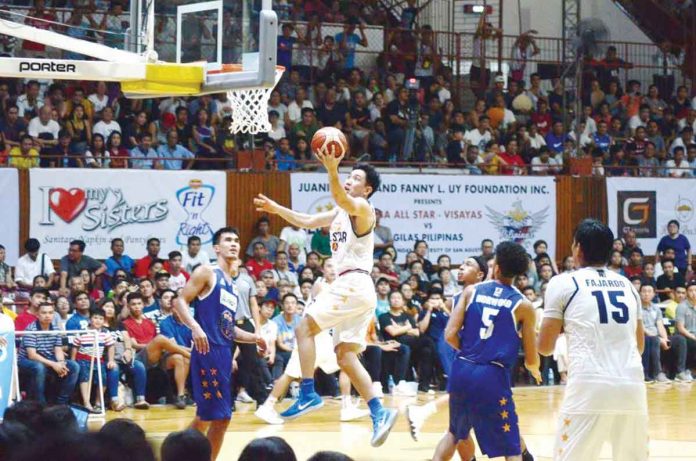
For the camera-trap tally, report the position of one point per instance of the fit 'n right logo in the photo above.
(638, 212)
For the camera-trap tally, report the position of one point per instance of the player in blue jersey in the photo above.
(484, 327)
(213, 292)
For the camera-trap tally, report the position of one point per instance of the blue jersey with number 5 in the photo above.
(490, 334)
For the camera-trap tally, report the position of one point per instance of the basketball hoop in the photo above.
(250, 106)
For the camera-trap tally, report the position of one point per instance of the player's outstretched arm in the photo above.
(197, 284)
(241, 336)
(301, 220)
(527, 317)
(355, 206)
(456, 320)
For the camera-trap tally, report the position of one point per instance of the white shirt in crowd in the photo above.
(177, 281)
(105, 129)
(26, 268)
(188, 262)
(98, 103)
(295, 111)
(36, 128)
(23, 105)
(298, 236)
(672, 170)
(475, 138)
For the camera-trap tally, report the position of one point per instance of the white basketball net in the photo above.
(250, 108)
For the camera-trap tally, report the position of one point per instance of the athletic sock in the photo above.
(307, 387)
(270, 401)
(345, 401)
(375, 406)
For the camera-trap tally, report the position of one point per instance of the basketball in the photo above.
(330, 141)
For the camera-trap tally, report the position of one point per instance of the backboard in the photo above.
(224, 33)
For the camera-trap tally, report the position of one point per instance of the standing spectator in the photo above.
(396, 325)
(684, 341)
(667, 60)
(396, 122)
(143, 264)
(655, 336)
(479, 74)
(194, 256)
(41, 355)
(348, 40)
(41, 19)
(285, 44)
(270, 241)
(524, 47)
(287, 322)
(72, 264)
(32, 264)
(680, 244)
(178, 276)
(258, 262)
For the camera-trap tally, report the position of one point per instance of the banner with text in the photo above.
(647, 205)
(98, 205)
(452, 213)
(9, 204)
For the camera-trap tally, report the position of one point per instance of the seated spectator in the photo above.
(320, 243)
(143, 156)
(396, 325)
(179, 277)
(305, 127)
(156, 350)
(30, 315)
(287, 322)
(681, 245)
(161, 281)
(41, 356)
(80, 319)
(267, 448)
(189, 444)
(258, 263)
(172, 154)
(669, 280)
(83, 352)
(74, 262)
(281, 270)
(117, 260)
(383, 288)
(655, 336)
(684, 341)
(24, 155)
(107, 125)
(634, 268)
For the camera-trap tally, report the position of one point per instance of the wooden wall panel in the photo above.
(242, 188)
(577, 198)
(23, 208)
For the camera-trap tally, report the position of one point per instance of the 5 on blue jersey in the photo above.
(490, 330)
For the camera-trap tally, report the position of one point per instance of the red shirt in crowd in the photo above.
(142, 332)
(633, 271)
(255, 268)
(511, 160)
(24, 319)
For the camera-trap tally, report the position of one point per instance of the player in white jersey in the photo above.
(348, 306)
(599, 310)
(326, 360)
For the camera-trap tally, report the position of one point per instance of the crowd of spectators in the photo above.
(121, 311)
(31, 430)
(405, 109)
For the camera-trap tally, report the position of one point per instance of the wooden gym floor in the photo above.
(672, 427)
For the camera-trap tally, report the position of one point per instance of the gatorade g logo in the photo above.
(637, 211)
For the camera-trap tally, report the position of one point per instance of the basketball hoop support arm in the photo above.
(65, 42)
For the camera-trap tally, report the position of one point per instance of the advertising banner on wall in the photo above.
(452, 213)
(9, 204)
(647, 205)
(97, 206)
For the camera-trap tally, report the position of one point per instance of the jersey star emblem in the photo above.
(204, 384)
(202, 372)
(506, 428)
(564, 437)
(504, 414)
(213, 371)
(218, 394)
(207, 395)
(215, 382)
(566, 422)
(502, 402)
(344, 299)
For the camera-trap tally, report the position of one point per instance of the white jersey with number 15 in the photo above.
(600, 310)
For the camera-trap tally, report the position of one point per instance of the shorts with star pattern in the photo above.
(211, 382)
(581, 436)
(481, 399)
(347, 306)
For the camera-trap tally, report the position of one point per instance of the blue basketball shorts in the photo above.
(211, 382)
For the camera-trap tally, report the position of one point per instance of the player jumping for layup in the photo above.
(348, 306)
(600, 312)
(483, 327)
(213, 330)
